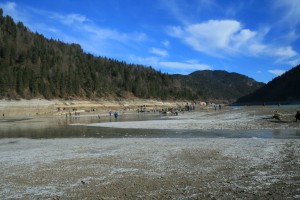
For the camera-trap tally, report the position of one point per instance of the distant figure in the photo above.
(276, 115)
(215, 107)
(297, 116)
(220, 107)
(116, 114)
(3, 116)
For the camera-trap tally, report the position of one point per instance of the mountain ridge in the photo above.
(282, 89)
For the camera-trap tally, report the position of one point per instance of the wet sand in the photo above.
(159, 168)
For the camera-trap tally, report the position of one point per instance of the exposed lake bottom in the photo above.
(201, 155)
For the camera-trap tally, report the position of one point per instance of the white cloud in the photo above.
(242, 38)
(277, 72)
(286, 55)
(285, 52)
(222, 38)
(158, 52)
(215, 36)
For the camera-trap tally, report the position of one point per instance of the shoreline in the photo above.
(206, 118)
(203, 118)
(42, 107)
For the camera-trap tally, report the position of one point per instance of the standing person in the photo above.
(220, 106)
(297, 116)
(3, 116)
(116, 114)
(215, 107)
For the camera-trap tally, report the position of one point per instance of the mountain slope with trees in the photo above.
(32, 66)
(282, 89)
(219, 84)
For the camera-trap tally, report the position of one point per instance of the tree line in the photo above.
(34, 66)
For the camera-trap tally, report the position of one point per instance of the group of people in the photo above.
(215, 107)
(116, 114)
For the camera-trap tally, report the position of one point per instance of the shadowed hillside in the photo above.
(219, 84)
(283, 89)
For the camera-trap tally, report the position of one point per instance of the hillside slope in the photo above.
(285, 88)
(220, 84)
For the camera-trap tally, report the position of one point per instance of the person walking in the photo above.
(297, 116)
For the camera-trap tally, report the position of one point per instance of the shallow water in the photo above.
(61, 127)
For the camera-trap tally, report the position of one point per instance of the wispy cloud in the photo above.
(184, 12)
(70, 19)
(288, 10)
(166, 43)
(12, 9)
(79, 28)
(185, 66)
(182, 67)
(86, 27)
(159, 52)
(276, 72)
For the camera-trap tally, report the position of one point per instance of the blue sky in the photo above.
(257, 38)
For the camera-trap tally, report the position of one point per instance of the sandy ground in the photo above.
(159, 168)
(137, 168)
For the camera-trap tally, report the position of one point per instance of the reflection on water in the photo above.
(59, 127)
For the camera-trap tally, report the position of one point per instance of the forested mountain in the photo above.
(219, 84)
(32, 66)
(283, 89)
